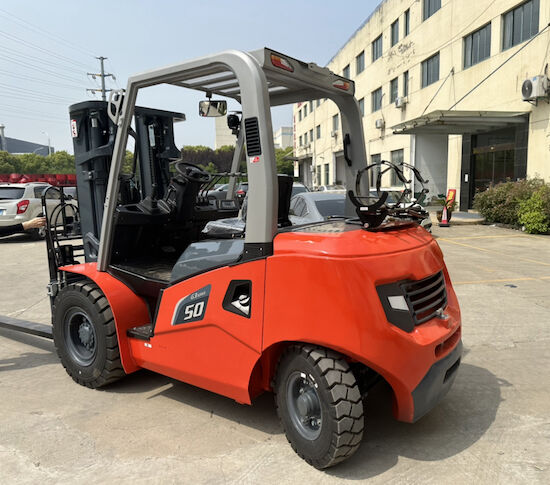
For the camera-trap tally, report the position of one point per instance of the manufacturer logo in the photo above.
(74, 129)
(255, 159)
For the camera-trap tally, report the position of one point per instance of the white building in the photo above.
(440, 85)
(283, 137)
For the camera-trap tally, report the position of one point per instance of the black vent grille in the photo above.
(426, 297)
(253, 146)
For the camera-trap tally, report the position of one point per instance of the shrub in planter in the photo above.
(534, 213)
(500, 203)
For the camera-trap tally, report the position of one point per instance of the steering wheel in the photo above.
(192, 172)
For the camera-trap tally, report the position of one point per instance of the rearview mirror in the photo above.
(209, 108)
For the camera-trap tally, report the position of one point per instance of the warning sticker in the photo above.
(255, 160)
(74, 130)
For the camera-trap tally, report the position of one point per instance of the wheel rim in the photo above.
(80, 337)
(304, 405)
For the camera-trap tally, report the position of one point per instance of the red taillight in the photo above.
(341, 84)
(281, 63)
(22, 206)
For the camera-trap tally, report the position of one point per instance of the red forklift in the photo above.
(153, 273)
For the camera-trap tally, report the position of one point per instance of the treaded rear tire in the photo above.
(103, 365)
(341, 429)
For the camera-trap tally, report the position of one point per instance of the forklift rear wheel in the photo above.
(319, 405)
(85, 335)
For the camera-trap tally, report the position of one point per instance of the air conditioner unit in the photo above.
(400, 102)
(535, 87)
(380, 123)
(334, 133)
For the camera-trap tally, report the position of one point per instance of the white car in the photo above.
(22, 202)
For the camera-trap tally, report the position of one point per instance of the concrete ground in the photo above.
(493, 426)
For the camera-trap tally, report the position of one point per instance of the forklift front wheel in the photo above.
(85, 335)
(319, 405)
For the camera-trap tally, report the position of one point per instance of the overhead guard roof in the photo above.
(305, 82)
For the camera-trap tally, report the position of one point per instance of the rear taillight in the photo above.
(240, 192)
(281, 63)
(22, 206)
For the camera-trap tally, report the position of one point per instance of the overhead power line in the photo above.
(40, 30)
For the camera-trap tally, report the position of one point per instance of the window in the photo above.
(331, 207)
(318, 102)
(362, 106)
(37, 192)
(377, 48)
(311, 106)
(430, 7)
(301, 141)
(395, 33)
(335, 123)
(7, 193)
(305, 138)
(318, 130)
(394, 90)
(397, 159)
(406, 83)
(345, 72)
(407, 22)
(311, 135)
(318, 175)
(430, 70)
(520, 24)
(374, 171)
(300, 115)
(305, 110)
(360, 63)
(376, 99)
(477, 46)
(326, 173)
(300, 208)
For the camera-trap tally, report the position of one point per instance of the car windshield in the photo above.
(298, 189)
(331, 207)
(7, 193)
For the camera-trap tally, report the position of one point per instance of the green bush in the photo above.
(534, 213)
(501, 202)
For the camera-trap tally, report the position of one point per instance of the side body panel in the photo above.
(214, 348)
(332, 301)
(129, 310)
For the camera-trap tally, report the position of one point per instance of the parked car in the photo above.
(22, 202)
(309, 207)
(330, 188)
(220, 192)
(298, 188)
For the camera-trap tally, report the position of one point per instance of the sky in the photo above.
(47, 49)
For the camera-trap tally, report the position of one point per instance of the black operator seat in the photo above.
(235, 226)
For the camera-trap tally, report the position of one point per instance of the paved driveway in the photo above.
(493, 426)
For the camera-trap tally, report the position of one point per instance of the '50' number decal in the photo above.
(192, 307)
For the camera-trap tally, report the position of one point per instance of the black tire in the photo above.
(85, 337)
(319, 405)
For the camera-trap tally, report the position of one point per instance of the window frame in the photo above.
(318, 132)
(394, 89)
(335, 122)
(360, 62)
(407, 23)
(425, 68)
(346, 72)
(375, 43)
(429, 8)
(394, 32)
(376, 103)
(362, 106)
(468, 44)
(405, 84)
(511, 14)
(394, 180)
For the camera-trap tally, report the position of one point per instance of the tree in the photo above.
(284, 165)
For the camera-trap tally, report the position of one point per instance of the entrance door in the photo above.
(493, 164)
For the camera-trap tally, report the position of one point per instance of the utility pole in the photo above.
(102, 75)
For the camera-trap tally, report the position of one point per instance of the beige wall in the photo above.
(442, 32)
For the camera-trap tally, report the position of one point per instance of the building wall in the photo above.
(443, 32)
(283, 137)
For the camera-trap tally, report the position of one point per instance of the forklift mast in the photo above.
(94, 133)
